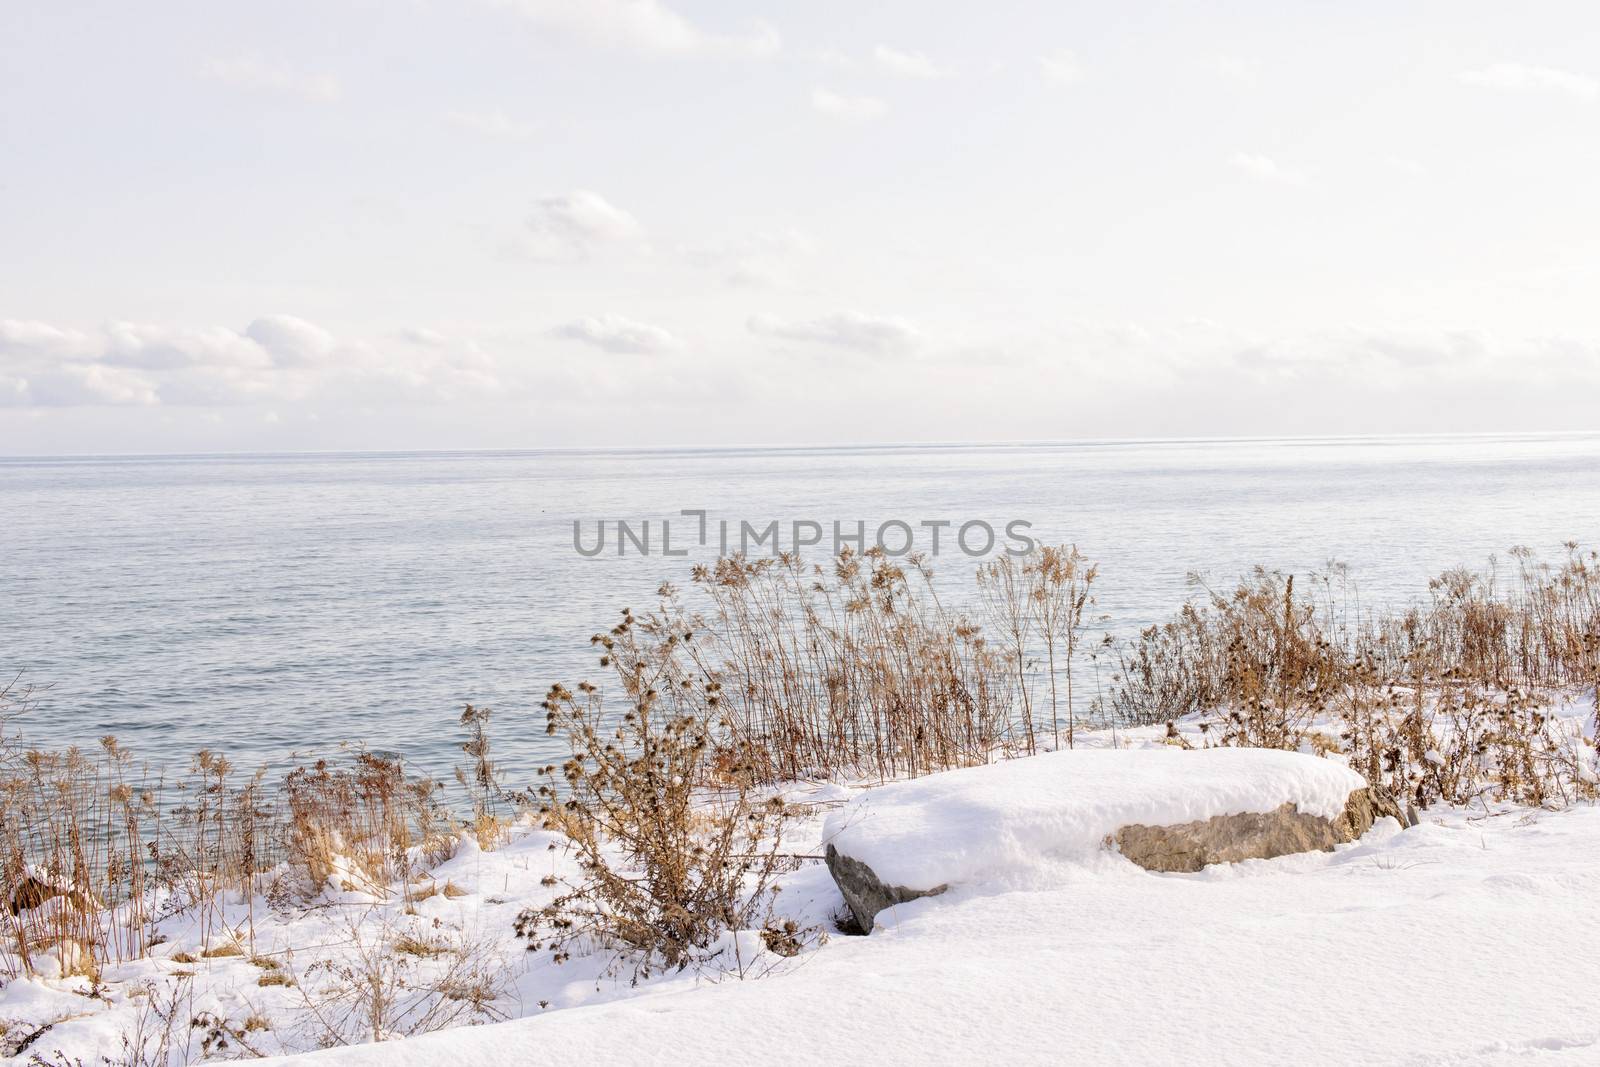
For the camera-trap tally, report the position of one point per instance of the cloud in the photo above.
(643, 26)
(40, 338)
(851, 330)
(1266, 169)
(275, 358)
(74, 385)
(1398, 359)
(577, 223)
(1061, 67)
(496, 124)
(1193, 356)
(906, 64)
(613, 333)
(291, 342)
(160, 347)
(1515, 77)
(258, 75)
(420, 335)
(849, 108)
(1379, 359)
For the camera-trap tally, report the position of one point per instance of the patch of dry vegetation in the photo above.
(96, 851)
(858, 668)
(378, 988)
(1451, 700)
(675, 849)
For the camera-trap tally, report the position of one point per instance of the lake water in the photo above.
(277, 603)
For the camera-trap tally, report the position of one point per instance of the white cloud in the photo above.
(906, 64)
(22, 336)
(161, 347)
(77, 384)
(276, 358)
(849, 108)
(42, 365)
(1515, 77)
(248, 72)
(643, 26)
(1061, 67)
(852, 330)
(613, 333)
(291, 341)
(495, 124)
(1266, 169)
(578, 222)
(1381, 358)
(421, 335)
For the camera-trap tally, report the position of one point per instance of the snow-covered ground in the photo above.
(1464, 940)
(1469, 939)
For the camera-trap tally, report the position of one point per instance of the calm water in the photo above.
(265, 604)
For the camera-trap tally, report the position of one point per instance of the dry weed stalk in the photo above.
(1060, 590)
(853, 668)
(668, 866)
(1449, 700)
(95, 851)
(380, 988)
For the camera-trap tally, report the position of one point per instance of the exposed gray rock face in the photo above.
(865, 893)
(1251, 835)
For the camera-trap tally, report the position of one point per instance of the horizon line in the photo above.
(818, 447)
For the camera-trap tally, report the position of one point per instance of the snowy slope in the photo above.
(1467, 940)
(1004, 819)
(1462, 941)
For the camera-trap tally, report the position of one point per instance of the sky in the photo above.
(353, 224)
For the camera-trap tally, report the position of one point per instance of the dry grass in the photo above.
(1449, 700)
(95, 850)
(668, 864)
(858, 667)
(354, 828)
(374, 990)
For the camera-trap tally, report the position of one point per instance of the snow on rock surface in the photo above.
(1005, 819)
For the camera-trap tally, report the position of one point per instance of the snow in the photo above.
(1007, 818)
(1464, 941)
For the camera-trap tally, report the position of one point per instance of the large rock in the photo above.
(1190, 846)
(1019, 820)
(865, 894)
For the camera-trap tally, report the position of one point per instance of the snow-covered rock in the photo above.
(1012, 820)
